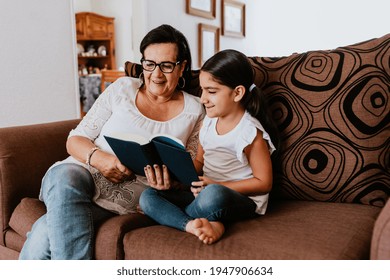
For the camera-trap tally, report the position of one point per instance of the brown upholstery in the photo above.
(289, 230)
(333, 111)
(26, 152)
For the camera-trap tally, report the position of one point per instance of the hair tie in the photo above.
(252, 87)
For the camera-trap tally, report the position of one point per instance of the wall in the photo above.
(282, 27)
(273, 28)
(37, 77)
(38, 81)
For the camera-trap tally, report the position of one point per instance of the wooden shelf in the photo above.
(96, 30)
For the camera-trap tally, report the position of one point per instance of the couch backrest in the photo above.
(332, 108)
(333, 112)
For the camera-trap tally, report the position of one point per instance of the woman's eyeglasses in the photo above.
(165, 66)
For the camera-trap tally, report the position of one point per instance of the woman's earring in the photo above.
(183, 83)
(141, 78)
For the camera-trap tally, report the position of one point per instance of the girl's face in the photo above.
(157, 82)
(219, 100)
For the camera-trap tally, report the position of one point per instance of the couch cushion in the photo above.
(25, 214)
(290, 230)
(333, 110)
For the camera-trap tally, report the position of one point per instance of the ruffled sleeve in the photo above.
(249, 132)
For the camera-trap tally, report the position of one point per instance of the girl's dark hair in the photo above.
(167, 34)
(232, 68)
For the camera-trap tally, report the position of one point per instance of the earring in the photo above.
(184, 82)
(141, 78)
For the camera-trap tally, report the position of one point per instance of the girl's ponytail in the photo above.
(256, 103)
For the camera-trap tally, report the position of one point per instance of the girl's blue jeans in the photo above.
(66, 231)
(215, 203)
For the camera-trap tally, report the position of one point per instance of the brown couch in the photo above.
(330, 197)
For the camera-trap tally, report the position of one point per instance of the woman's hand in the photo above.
(110, 167)
(157, 178)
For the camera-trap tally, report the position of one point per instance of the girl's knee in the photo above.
(214, 195)
(146, 198)
(216, 192)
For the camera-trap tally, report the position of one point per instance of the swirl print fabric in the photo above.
(333, 112)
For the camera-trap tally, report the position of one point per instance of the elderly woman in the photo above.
(92, 184)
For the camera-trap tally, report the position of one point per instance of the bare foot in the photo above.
(207, 232)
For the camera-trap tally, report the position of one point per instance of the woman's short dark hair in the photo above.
(167, 34)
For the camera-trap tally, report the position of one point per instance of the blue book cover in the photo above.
(136, 152)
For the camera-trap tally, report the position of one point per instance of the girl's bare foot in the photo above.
(208, 232)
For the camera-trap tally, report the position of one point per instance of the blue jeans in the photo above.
(66, 231)
(215, 203)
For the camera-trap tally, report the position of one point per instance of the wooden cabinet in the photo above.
(95, 41)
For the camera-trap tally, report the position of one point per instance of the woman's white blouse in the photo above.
(115, 112)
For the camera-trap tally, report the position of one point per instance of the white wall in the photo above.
(273, 28)
(287, 26)
(282, 27)
(38, 81)
(37, 73)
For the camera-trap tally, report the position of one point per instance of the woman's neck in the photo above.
(156, 99)
(159, 108)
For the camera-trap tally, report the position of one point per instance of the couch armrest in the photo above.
(109, 235)
(380, 242)
(26, 152)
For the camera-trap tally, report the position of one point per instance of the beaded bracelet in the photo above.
(88, 161)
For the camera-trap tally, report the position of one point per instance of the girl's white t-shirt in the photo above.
(224, 157)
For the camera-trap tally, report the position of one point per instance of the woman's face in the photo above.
(157, 82)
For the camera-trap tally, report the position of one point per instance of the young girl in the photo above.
(236, 141)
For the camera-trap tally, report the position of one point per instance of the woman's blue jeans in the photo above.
(215, 203)
(66, 231)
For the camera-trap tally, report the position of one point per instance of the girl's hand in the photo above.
(200, 185)
(110, 167)
(157, 178)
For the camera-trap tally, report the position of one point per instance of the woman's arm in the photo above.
(80, 147)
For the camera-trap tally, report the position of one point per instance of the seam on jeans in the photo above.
(219, 212)
(91, 233)
(183, 226)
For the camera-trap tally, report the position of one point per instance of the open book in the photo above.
(136, 152)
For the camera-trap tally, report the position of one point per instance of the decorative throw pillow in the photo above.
(333, 111)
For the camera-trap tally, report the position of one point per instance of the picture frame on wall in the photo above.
(208, 41)
(201, 8)
(233, 18)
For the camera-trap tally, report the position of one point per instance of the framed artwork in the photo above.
(201, 8)
(208, 42)
(233, 18)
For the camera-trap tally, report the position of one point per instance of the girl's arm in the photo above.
(198, 161)
(260, 161)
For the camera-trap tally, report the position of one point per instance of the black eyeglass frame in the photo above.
(174, 64)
